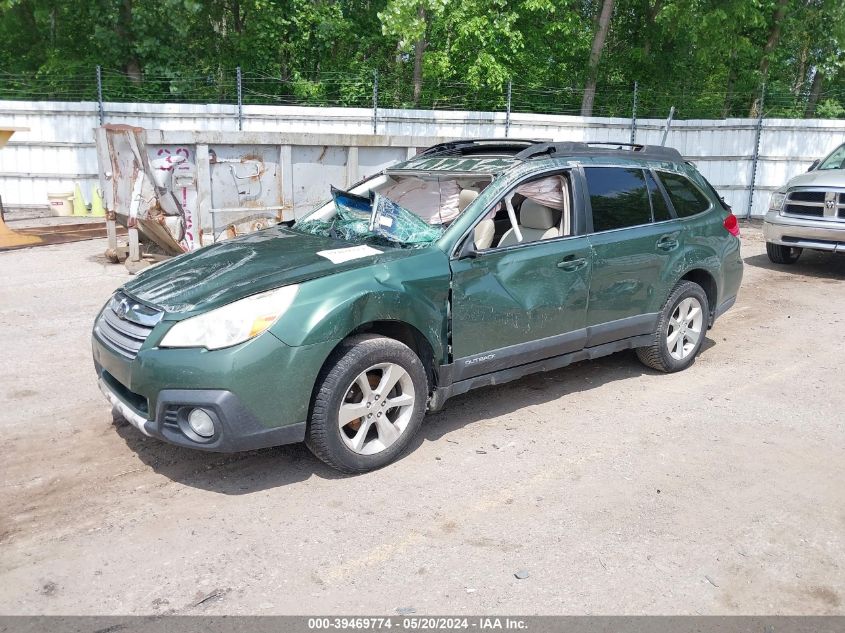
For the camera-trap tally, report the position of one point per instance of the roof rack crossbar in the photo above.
(599, 147)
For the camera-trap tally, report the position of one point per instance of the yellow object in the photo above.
(8, 237)
(97, 210)
(60, 203)
(11, 239)
(79, 207)
(6, 133)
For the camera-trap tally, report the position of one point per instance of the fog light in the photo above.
(201, 423)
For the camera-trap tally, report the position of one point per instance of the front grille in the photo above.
(815, 204)
(808, 196)
(809, 211)
(125, 324)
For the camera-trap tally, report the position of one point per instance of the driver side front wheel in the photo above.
(368, 404)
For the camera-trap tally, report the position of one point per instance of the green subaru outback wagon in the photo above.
(472, 264)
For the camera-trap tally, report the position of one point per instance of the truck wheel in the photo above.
(780, 254)
(368, 404)
(680, 329)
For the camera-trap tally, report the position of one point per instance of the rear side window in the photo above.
(618, 197)
(685, 196)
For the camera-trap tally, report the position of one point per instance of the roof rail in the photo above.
(463, 145)
(546, 150)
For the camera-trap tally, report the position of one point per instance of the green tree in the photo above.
(706, 57)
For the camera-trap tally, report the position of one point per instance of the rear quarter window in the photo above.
(685, 196)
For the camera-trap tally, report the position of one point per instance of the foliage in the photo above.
(709, 58)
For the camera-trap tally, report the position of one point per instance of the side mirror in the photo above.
(814, 164)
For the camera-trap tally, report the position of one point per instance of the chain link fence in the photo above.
(369, 89)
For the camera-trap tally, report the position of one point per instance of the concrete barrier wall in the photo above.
(58, 150)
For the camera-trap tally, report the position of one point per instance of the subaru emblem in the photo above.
(121, 309)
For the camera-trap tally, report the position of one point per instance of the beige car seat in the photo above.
(536, 222)
(465, 197)
(486, 230)
(484, 234)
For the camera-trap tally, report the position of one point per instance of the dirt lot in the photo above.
(719, 490)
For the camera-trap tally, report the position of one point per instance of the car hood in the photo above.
(819, 178)
(230, 270)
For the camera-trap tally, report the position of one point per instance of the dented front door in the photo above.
(519, 304)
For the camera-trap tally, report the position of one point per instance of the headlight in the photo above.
(233, 323)
(776, 202)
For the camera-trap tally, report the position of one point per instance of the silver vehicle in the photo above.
(808, 212)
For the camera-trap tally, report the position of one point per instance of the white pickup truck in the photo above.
(808, 212)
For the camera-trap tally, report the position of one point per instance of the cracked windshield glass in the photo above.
(394, 209)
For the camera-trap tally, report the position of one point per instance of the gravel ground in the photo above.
(612, 488)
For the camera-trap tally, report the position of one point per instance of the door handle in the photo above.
(570, 264)
(667, 243)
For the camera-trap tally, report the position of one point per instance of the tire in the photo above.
(355, 375)
(668, 354)
(780, 254)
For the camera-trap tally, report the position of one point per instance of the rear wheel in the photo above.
(680, 329)
(368, 404)
(780, 254)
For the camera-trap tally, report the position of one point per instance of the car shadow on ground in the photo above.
(811, 264)
(226, 473)
(254, 471)
(502, 400)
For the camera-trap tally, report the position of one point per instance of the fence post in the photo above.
(240, 101)
(668, 125)
(754, 158)
(508, 113)
(375, 101)
(634, 116)
(100, 96)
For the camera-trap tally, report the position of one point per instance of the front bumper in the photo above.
(257, 393)
(236, 429)
(822, 235)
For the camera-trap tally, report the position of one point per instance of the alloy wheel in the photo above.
(685, 328)
(376, 408)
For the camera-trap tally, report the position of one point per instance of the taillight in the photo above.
(732, 225)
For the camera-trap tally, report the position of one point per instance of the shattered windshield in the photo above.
(396, 209)
(359, 218)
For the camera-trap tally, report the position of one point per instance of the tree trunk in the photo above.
(419, 50)
(774, 37)
(801, 73)
(815, 92)
(771, 44)
(124, 32)
(595, 57)
(236, 13)
(650, 17)
(52, 27)
(729, 85)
